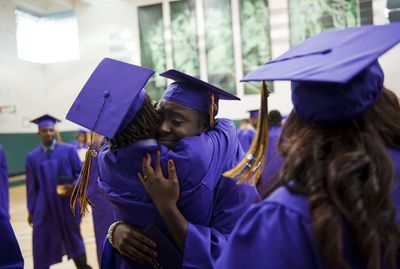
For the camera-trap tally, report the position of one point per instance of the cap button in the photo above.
(106, 93)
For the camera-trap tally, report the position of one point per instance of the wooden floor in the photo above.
(23, 231)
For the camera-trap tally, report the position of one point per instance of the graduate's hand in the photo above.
(132, 243)
(65, 190)
(163, 191)
(30, 219)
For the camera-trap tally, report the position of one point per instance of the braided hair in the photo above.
(143, 126)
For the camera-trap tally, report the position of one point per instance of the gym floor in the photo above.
(23, 231)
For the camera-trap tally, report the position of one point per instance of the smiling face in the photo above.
(178, 121)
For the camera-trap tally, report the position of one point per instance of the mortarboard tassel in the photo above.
(212, 111)
(88, 138)
(250, 168)
(79, 194)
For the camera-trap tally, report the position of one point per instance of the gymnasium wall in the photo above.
(17, 145)
(36, 89)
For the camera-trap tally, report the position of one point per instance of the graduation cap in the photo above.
(45, 120)
(111, 97)
(335, 75)
(83, 131)
(194, 93)
(107, 103)
(48, 121)
(253, 113)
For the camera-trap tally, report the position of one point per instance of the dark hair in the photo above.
(346, 173)
(143, 126)
(387, 111)
(204, 120)
(274, 118)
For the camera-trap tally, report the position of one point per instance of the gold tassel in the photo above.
(251, 166)
(79, 194)
(212, 111)
(88, 138)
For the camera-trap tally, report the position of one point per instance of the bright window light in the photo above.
(47, 39)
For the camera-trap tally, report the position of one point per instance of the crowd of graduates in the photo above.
(171, 185)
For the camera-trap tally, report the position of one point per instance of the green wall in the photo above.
(16, 146)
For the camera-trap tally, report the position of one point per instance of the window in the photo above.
(185, 50)
(254, 24)
(47, 39)
(152, 46)
(219, 44)
(309, 17)
(196, 37)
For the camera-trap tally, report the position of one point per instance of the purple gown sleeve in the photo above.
(270, 236)
(31, 185)
(10, 253)
(204, 244)
(4, 196)
(76, 163)
(246, 138)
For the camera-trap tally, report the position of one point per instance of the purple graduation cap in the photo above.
(253, 113)
(45, 121)
(83, 131)
(193, 92)
(111, 97)
(335, 75)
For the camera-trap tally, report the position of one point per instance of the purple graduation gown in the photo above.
(277, 233)
(211, 203)
(10, 253)
(56, 231)
(274, 161)
(78, 145)
(102, 211)
(4, 196)
(246, 136)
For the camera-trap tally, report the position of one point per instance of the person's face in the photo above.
(254, 122)
(47, 134)
(81, 138)
(177, 121)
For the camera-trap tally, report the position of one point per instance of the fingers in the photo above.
(139, 251)
(142, 181)
(147, 168)
(136, 255)
(158, 164)
(136, 245)
(144, 239)
(146, 182)
(172, 171)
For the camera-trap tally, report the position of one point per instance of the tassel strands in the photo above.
(58, 135)
(251, 166)
(79, 194)
(212, 111)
